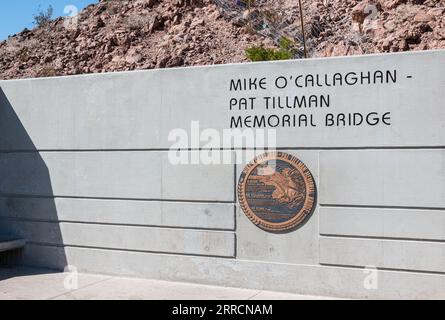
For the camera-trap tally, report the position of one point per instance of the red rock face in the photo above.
(122, 35)
(375, 26)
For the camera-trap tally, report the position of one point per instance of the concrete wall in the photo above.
(85, 178)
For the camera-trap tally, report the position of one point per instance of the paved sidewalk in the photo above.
(39, 284)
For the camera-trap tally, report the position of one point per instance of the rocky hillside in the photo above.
(352, 27)
(116, 35)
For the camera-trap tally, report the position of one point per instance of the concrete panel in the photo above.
(108, 111)
(303, 279)
(139, 109)
(388, 223)
(392, 254)
(196, 242)
(299, 246)
(126, 212)
(197, 181)
(408, 178)
(123, 174)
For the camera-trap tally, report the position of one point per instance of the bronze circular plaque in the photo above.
(277, 191)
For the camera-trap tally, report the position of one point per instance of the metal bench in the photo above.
(10, 250)
(8, 243)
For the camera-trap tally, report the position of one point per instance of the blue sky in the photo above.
(15, 15)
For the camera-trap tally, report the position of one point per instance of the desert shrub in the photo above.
(136, 22)
(23, 54)
(42, 18)
(245, 3)
(13, 46)
(286, 51)
(46, 72)
(112, 7)
(271, 16)
(31, 44)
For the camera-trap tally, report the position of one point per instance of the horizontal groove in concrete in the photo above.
(224, 149)
(379, 238)
(383, 269)
(115, 224)
(8, 195)
(128, 250)
(378, 207)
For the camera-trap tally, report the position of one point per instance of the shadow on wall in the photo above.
(24, 178)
